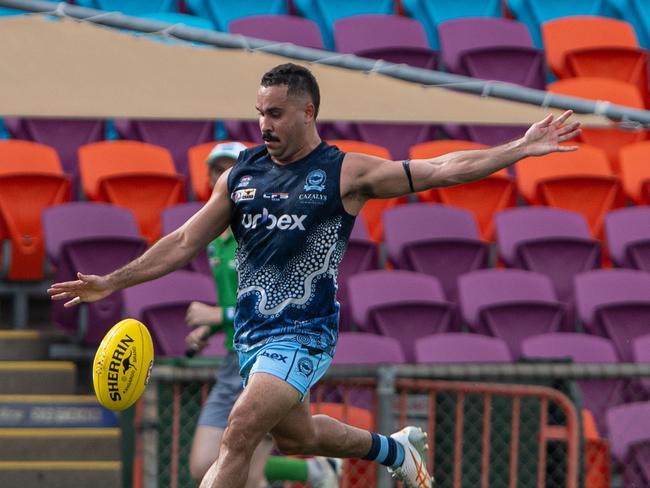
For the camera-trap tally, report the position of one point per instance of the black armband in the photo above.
(407, 170)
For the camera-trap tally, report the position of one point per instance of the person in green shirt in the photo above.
(206, 320)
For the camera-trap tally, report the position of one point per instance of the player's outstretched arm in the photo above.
(168, 254)
(377, 178)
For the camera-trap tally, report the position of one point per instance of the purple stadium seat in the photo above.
(175, 135)
(216, 346)
(461, 348)
(66, 136)
(397, 40)
(628, 237)
(615, 304)
(162, 304)
(510, 304)
(172, 218)
(597, 395)
(224, 12)
(550, 241)
(491, 49)
(400, 304)
(641, 354)
(629, 438)
(365, 348)
(91, 238)
(436, 240)
(361, 255)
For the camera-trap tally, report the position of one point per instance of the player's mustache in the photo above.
(267, 136)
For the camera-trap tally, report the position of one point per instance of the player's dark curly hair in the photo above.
(299, 80)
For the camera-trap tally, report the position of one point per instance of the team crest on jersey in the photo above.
(316, 180)
(244, 181)
(245, 194)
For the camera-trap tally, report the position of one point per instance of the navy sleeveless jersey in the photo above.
(292, 231)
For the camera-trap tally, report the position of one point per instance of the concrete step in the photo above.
(54, 411)
(37, 377)
(22, 345)
(60, 474)
(71, 444)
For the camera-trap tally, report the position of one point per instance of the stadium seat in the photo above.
(130, 7)
(629, 437)
(279, 28)
(635, 172)
(6, 12)
(550, 241)
(134, 175)
(66, 136)
(162, 305)
(615, 303)
(491, 49)
(199, 177)
(581, 181)
(614, 91)
(433, 12)
(534, 13)
(31, 179)
(367, 348)
(326, 12)
(380, 301)
(373, 210)
(361, 255)
(483, 198)
(641, 355)
(510, 304)
(436, 240)
(397, 40)
(597, 395)
(223, 12)
(597, 47)
(172, 218)
(457, 347)
(89, 238)
(177, 136)
(628, 237)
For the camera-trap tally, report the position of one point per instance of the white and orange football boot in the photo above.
(413, 472)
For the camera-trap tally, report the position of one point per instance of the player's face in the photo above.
(284, 121)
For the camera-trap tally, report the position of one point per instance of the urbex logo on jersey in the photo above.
(270, 221)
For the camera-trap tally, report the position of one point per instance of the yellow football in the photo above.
(122, 364)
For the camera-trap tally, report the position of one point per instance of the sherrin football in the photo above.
(122, 365)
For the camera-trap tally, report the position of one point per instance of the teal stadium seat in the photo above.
(188, 20)
(433, 12)
(130, 7)
(326, 12)
(222, 12)
(5, 12)
(637, 13)
(534, 13)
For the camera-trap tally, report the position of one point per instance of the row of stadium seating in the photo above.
(219, 14)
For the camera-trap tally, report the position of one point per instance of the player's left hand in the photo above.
(546, 135)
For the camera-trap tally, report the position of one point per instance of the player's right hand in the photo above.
(87, 288)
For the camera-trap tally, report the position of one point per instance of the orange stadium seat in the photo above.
(199, 178)
(595, 46)
(635, 172)
(614, 91)
(132, 174)
(581, 181)
(374, 209)
(31, 179)
(483, 198)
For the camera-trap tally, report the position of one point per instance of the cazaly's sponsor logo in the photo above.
(312, 197)
(270, 221)
(245, 194)
(275, 196)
